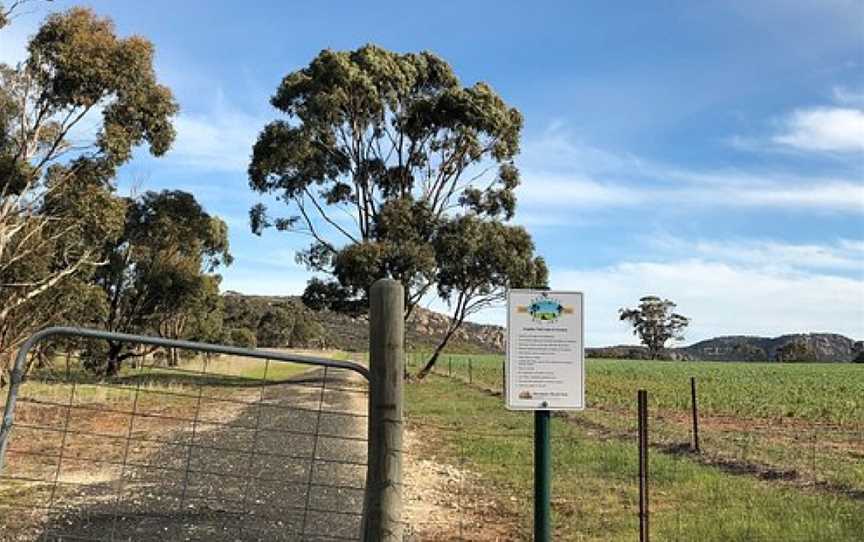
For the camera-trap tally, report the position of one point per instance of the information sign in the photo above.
(545, 350)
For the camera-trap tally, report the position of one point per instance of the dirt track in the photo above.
(246, 478)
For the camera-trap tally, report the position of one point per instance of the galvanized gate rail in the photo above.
(253, 480)
(17, 376)
(215, 473)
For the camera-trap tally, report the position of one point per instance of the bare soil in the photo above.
(446, 501)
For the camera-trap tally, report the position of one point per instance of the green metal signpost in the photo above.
(542, 476)
(544, 371)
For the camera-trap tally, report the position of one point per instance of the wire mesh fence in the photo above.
(212, 448)
(755, 479)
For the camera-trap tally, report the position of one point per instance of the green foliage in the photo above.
(79, 62)
(307, 333)
(242, 337)
(206, 312)
(655, 323)
(275, 328)
(478, 260)
(330, 295)
(795, 351)
(414, 158)
(275, 322)
(58, 203)
(155, 278)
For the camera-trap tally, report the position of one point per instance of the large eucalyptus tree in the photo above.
(378, 157)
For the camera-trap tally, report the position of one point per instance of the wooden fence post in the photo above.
(382, 505)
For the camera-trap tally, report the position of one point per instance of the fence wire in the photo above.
(753, 480)
(214, 448)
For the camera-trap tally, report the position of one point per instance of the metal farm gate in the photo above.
(227, 444)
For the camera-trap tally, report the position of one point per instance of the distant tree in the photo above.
(56, 178)
(654, 323)
(330, 295)
(307, 332)
(795, 350)
(242, 311)
(206, 312)
(157, 270)
(240, 336)
(749, 352)
(275, 327)
(397, 146)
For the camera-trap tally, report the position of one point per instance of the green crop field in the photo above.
(595, 487)
(823, 393)
(801, 425)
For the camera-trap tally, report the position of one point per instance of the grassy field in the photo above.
(595, 479)
(823, 393)
(798, 424)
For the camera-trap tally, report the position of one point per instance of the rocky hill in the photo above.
(422, 332)
(425, 328)
(824, 347)
(818, 347)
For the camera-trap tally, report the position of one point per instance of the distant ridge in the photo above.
(824, 347)
(426, 327)
(422, 333)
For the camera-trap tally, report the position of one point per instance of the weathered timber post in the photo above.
(382, 505)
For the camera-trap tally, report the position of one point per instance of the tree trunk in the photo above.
(112, 366)
(438, 349)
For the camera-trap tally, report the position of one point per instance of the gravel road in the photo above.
(247, 475)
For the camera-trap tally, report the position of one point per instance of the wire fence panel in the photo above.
(218, 447)
(756, 478)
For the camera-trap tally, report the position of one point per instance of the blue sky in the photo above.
(708, 152)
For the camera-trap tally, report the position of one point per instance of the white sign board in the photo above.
(545, 350)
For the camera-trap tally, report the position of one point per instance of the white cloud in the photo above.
(844, 255)
(220, 139)
(558, 191)
(732, 287)
(836, 195)
(848, 96)
(721, 298)
(852, 244)
(560, 172)
(823, 129)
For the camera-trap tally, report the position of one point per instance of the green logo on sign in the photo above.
(545, 308)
